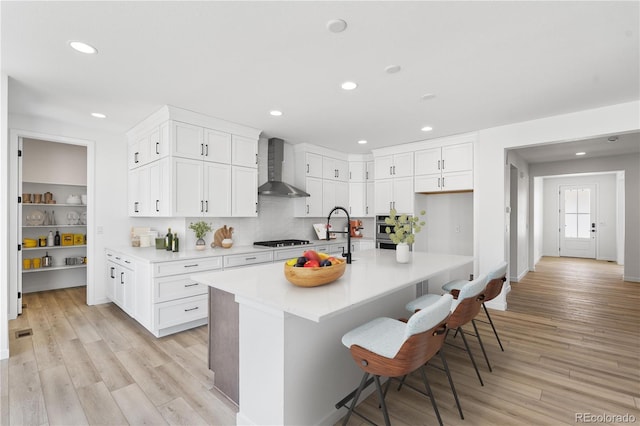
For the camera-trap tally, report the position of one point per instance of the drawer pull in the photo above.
(191, 309)
(250, 258)
(191, 266)
(191, 285)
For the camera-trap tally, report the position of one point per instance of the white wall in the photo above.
(448, 223)
(606, 213)
(4, 215)
(50, 162)
(489, 174)
(518, 267)
(537, 214)
(620, 190)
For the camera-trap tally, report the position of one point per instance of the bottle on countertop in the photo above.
(168, 239)
(174, 243)
(50, 239)
(56, 239)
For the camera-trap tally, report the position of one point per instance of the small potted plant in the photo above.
(200, 228)
(402, 230)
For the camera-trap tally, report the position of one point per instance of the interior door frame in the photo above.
(15, 136)
(593, 214)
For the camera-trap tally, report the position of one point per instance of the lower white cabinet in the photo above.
(236, 260)
(121, 281)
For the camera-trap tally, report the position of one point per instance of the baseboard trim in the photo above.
(631, 279)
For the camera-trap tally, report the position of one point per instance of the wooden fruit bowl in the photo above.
(313, 277)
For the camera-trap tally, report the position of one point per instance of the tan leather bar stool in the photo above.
(495, 278)
(464, 310)
(386, 347)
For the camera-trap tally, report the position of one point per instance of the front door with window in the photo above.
(578, 221)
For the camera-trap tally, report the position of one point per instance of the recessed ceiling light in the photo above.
(83, 47)
(349, 85)
(392, 69)
(98, 115)
(427, 96)
(336, 25)
(427, 129)
(362, 142)
(275, 113)
(580, 153)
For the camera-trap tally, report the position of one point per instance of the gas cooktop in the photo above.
(281, 243)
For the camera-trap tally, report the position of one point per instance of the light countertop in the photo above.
(151, 254)
(373, 274)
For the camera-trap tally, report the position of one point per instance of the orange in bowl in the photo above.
(315, 276)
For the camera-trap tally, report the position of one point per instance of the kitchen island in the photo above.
(292, 365)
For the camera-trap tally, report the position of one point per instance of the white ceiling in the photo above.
(488, 64)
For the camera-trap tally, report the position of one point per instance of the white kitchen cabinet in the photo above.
(369, 209)
(357, 171)
(198, 180)
(244, 189)
(334, 194)
(313, 165)
(120, 281)
(446, 168)
(357, 199)
(311, 206)
(238, 260)
(201, 188)
(149, 146)
(359, 245)
(334, 169)
(394, 194)
(394, 166)
(370, 171)
(148, 193)
(244, 152)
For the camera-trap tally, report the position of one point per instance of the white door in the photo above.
(578, 221)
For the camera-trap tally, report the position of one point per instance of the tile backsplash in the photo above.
(275, 221)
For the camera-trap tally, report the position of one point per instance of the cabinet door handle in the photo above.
(121, 277)
(438, 164)
(206, 206)
(157, 207)
(206, 150)
(256, 208)
(117, 258)
(438, 182)
(390, 170)
(390, 205)
(158, 148)
(191, 285)
(367, 209)
(394, 170)
(443, 166)
(201, 206)
(307, 208)
(201, 149)
(250, 258)
(191, 266)
(443, 182)
(127, 261)
(191, 309)
(135, 158)
(112, 272)
(307, 167)
(135, 207)
(256, 158)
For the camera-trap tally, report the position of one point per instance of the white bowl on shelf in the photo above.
(73, 199)
(83, 198)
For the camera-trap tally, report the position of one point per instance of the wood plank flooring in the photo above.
(571, 337)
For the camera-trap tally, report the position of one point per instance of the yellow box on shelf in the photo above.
(78, 239)
(66, 239)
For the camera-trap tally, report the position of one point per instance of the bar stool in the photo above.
(392, 348)
(495, 278)
(463, 310)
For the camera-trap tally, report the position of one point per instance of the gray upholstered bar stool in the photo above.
(463, 310)
(386, 347)
(495, 279)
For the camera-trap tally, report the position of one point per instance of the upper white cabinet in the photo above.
(313, 165)
(244, 152)
(198, 177)
(394, 166)
(150, 145)
(334, 169)
(445, 168)
(361, 188)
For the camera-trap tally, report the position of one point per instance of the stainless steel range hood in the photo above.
(275, 186)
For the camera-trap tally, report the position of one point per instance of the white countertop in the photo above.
(373, 274)
(151, 254)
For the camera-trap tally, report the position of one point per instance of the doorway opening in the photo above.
(577, 218)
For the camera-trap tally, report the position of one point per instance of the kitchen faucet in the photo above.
(348, 253)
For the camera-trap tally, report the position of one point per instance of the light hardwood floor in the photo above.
(571, 337)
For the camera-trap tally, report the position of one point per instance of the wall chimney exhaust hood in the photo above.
(275, 186)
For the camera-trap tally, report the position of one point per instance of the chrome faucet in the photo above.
(348, 253)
